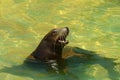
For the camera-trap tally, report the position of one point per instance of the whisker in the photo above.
(54, 44)
(64, 35)
(61, 39)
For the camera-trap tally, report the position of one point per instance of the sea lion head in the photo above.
(57, 36)
(49, 50)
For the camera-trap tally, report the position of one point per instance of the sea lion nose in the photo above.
(67, 28)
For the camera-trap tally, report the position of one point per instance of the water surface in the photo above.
(94, 26)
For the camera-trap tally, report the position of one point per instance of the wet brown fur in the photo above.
(50, 48)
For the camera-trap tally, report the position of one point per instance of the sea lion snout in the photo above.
(63, 33)
(65, 30)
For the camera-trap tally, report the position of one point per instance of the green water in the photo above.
(94, 25)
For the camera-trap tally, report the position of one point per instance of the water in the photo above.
(94, 26)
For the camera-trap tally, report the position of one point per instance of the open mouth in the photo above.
(62, 40)
(63, 34)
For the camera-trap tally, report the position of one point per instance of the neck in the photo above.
(58, 51)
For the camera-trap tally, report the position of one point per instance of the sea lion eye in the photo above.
(54, 31)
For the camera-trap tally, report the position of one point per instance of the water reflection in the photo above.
(75, 66)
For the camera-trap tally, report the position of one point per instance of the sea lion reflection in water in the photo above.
(49, 51)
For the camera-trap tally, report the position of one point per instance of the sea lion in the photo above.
(50, 48)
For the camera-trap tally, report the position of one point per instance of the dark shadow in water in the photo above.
(91, 59)
(38, 71)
